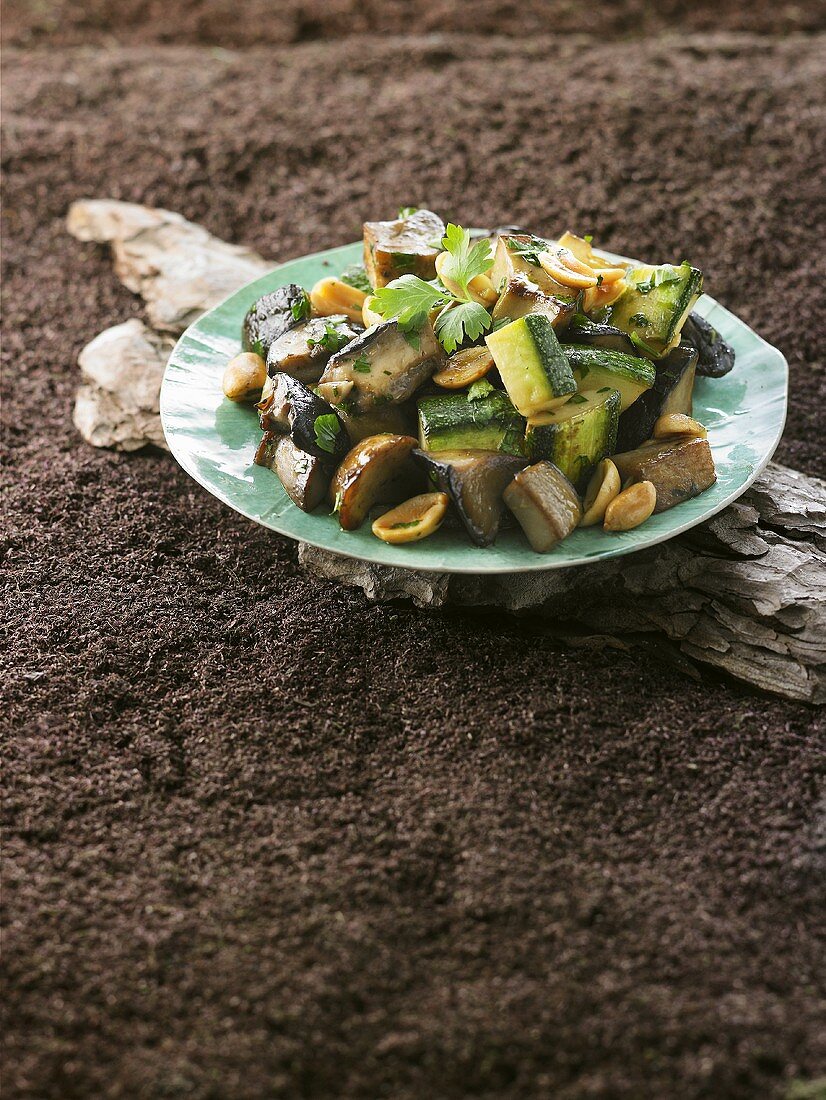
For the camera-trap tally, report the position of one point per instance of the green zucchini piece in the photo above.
(532, 365)
(595, 368)
(577, 435)
(463, 421)
(656, 304)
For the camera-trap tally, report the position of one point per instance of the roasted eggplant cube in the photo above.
(304, 349)
(407, 246)
(386, 364)
(715, 357)
(589, 334)
(671, 393)
(520, 296)
(377, 420)
(288, 407)
(474, 481)
(272, 316)
(306, 478)
(677, 468)
(546, 505)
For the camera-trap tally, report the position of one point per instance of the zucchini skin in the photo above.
(531, 363)
(576, 444)
(656, 313)
(455, 422)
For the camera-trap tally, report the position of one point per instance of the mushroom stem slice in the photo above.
(414, 520)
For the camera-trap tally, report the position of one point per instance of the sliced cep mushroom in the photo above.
(474, 481)
(463, 368)
(509, 259)
(272, 315)
(678, 468)
(306, 478)
(312, 423)
(378, 470)
(521, 296)
(406, 246)
(386, 363)
(715, 357)
(545, 503)
(412, 521)
(671, 393)
(303, 351)
(377, 420)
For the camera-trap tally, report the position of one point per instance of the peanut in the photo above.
(563, 266)
(603, 487)
(463, 368)
(632, 507)
(244, 377)
(679, 424)
(331, 295)
(414, 520)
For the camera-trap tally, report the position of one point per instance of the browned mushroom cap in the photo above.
(377, 470)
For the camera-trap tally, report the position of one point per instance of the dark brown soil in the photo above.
(266, 840)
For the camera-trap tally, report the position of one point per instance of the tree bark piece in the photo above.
(118, 403)
(179, 269)
(744, 592)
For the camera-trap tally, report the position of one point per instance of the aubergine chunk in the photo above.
(305, 477)
(386, 364)
(678, 468)
(272, 315)
(288, 407)
(304, 349)
(593, 335)
(407, 246)
(715, 357)
(521, 296)
(671, 393)
(545, 503)
(474, 481)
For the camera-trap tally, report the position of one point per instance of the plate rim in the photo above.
(544, 562)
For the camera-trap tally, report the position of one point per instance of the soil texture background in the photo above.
(263, 839)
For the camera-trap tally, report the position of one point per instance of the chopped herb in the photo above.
(333, 339)
(338, 501)
(479, 389)
(412, 335)
(660, 276)
(604, 389)
(584, 370)
(638, 342)
(599, 280)
(404, 526)
(500, 322)
(389, 373)
(638, 319)
(588, 237)
(406, 211)
(529, 250)
(356, 276)
(326, 428)
(301, 307)
(361, 365)
(577, 399)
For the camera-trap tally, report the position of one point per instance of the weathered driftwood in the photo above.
(117, 405)
(179, 269)
(745, 592)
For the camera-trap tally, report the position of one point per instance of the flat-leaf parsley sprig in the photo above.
(410, 299)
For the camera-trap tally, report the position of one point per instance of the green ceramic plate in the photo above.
(214, 440)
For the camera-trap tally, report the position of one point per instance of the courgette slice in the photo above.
(532, 365)
(656, 304)
(595, 368)
(485, 421)
(577, 435)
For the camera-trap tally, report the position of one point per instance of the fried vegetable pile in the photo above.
(480, 379)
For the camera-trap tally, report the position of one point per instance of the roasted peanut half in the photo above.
(603, 487)
(562, 265)
(369, 317)
(463, 368)
(481, 288)
(632, 507)
(331, 296)
(679, 424)
(415, 519)
(244, 377)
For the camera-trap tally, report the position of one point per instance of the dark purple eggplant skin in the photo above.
(593, 335)
(637, 422)
(271, 316)
(715, 357)
(293, 409)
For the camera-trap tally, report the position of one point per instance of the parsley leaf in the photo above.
(356, 276)
(479, 390)
(361, 365)
(301, 307)
(577, 399)
(529, 250)
(406, 211)
(333, 339)
(408, 299)
(326, 428)
(640, 344)
(467, 320)
(465, 260)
